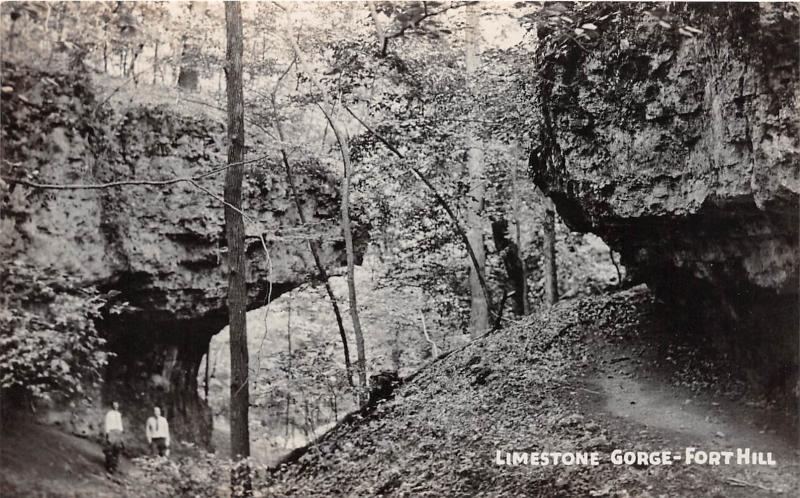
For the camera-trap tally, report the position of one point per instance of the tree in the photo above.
(347, 231)
(479, 311)
(522, 300)
(235, 233)
(550, 274)
(313, 245)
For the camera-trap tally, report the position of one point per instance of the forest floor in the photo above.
(592, 374)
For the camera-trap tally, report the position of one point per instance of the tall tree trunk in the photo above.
(512, 263)
(315, 248)
(361, 363)
(12, 34)
(479, 310)
(289, 373)
(207, 378)
(313, 245)
(234, 230)
(347, 231)
(550, 268)
(379, 33)
(523, 299)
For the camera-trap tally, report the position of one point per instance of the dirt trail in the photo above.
(673, 419)
(644, 404)
(691, 418)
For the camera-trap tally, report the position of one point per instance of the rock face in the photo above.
(682, 153)
(158, 250)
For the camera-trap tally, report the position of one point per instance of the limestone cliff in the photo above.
(159, 251)
(680, 148)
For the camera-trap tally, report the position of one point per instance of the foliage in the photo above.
(49, 347)
(202, 474)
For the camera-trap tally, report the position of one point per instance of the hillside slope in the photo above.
(594, 374)
(38, 460)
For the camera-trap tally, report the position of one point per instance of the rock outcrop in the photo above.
(157, 250)
(673, 134)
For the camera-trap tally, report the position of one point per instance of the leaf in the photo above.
(684, 32)
(664, 24)
(693, 30)
(589, 26)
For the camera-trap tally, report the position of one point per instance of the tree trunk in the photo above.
(136, 51)
(314, 246)
(234, 230)
(289, 372)
(523, 299)
(512, 263)
(11, 35)
(344, 147)
(373, 12)
(479, 310)
(396, 351)
(361, 363)
(434, 347)
(550, 269)
(155, 62)
(208, 360)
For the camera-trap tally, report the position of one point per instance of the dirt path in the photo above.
(643, 404)
(690, 417)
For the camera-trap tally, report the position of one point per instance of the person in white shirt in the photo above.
(113, 432)
(157, 430)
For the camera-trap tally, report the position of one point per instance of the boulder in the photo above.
(672, 132)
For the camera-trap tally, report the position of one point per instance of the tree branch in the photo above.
(425, 15)
(124, 183)
(441, 200)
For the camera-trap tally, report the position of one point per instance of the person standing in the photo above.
(157, 430)
(113, 432)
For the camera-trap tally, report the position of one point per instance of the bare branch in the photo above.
(124, 183)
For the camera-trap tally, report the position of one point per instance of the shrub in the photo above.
(49, 347)
(200, 475)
